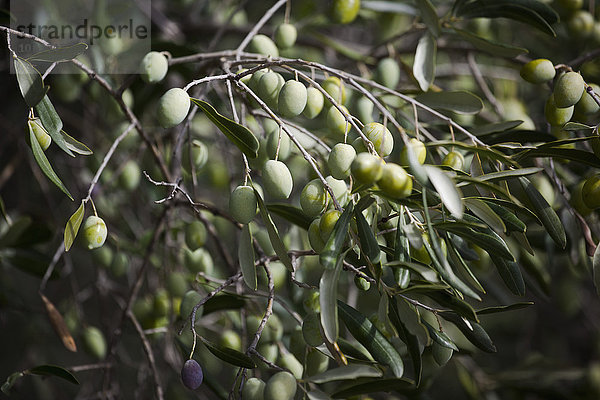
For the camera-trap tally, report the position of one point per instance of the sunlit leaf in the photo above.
(328, 285)
(345, 372)
(73, 225)
(424, 63)
(332, 249)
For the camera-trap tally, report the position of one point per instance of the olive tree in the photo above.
(306, 199)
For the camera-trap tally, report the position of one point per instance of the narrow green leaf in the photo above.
(494, 48)
(545, 213)
(429, 17)
(229, 355)
(399, 385)
(292, 214)
(355, 350)
(402, 253)
(424, 63)
(461, 307)
(388, 6)
(73, 225)
(52, 123)
(461, 102)
(30, 82)
(511, 221)
(75, 145)
(44, 164)
(274, 237)
(427, 273)
(10, 381)
(346, 372)
(223, 302)
(447, 190)
(472, 331)
(509, 174)
(367, 238)
(328, 300)
(577, 126)
(53, 370)
(517, 208)
(415, 348)
(580, 156)
(482, 151)
(459, 264)
(487, 242)
(329, 256)
(596, 269)
(369, 336)
(238, 134)
(246, 257)
(511, 275)
(59, 54)
(495, 127)
(440, 337)
(485, 213)
(317, 395)
(511, 307)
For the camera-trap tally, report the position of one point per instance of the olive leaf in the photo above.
(228, 355)
(75, 145)
(424, 64)
(52, 123)
(490, 47)
(429, 16)
(59, 325)
(345, 372)
(367, 238)
(59, 54)
(332, 249)
(328, 300)
(73, 225)
(30, 82)
(399, 385)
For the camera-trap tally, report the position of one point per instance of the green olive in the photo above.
(255, 79)
(311, 330)
(335, 88)
(441, 354)
(339, 189)
(103, 256)
(361, 283)
(198, 260)
(243, 204)
(154, 67)
(268, 88)
(177, 284)
(557, 116)
(568, 89)
(314, 236)
(381, 137)
(285, 144)
(591, 192)
(262, 44)
(94, 232)
(285, 36)
(538, 71)
(173, 107)
(195, 235)
(395, 181)
(277, 179)
(253, 389)
(231, 339)
(94, 342)
(291, 363)
(161, 304)
(270, 351)
(364, 110)
(336, 122)
(316, 362)
(313, 198)
(587, 105)
(388, 72)
(195, 155)
(344, 11)
(367, 168)
(292, 99)
(418, 149)
(281, 386)
(40, 133)
(314, 103)
(130, 176)
(327, 223)
(119, 265)
(581, 24)
(454, 160)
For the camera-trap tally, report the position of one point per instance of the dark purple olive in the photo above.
(191, 374)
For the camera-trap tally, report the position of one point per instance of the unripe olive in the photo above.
(177, 284)
(130, 175)
(577, 199)
(311, 330)
(173, 107)
(454, 160)
(339, 189)
(281, 386)
(103, 256)
(587, 105)
(268, 88)
(336, 121)
(344, 11)
(441, 354)
(361, 283)
(557, 116)
(154, 67)
(418, 149)
(538, 71)
(262, 44)
(191, 374)
(336, 89)
(313, 198)
(395, 181)
(188, 302)
(568, 89)
(277, 179)
(246, 78)
(581, 24)
(270, 351)
(327, 223)
(367, 168)
(291, 363)
(198, 157)
(161, 304)
(364, 110)
(590, 192)
(274, 327)
(94, 342)
(292, 99)
(314, 236)
(231, 339)
(255, 79)
(314, 103)
(316, 362)
(198, 260)
(388, 72)
(381, 137)
(40, 133)
(311, 302)
(273, 140)
(243, 204)
(253, 389)
(285, 36)
(195, 235)
(94, 232)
